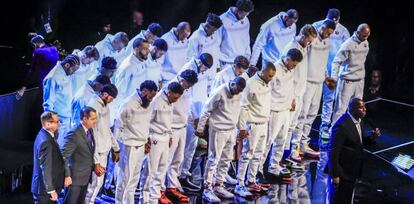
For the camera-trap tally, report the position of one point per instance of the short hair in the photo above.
(245, 5)
(47, 116)
(110, 89)
(176, 87)
(37, 39)
(240, 81)
(71, 59)
(91, 52)
(214, 20)
(206, 59)
(292, 14)
(295, 55)
(86, 112)
(109, 63)
(160, 44)
(102, 79)
(308, 30)
(333, 14)
(123, 37)
(155, 29)
(352, 102)
(137, 42)
(241, 62)
(269, 65)
(190, 76)
(149, 85)
(330, 24)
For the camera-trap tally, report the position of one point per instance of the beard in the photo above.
(145, 101)
(144, 57)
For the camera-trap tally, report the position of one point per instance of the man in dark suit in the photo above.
(77, 150)
(48, 171)
(346, 151)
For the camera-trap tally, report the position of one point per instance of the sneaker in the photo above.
(222, 192)
(230, 180)
(163, 199)
(295, 156)
(253, 187)
(310, 152)
(175, 194)
(242, 191)
(265, 187)
(210, 197)
(187, 185)
(298, 167)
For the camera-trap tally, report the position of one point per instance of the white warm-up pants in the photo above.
(346, 90)
(278, 130)
(130, 164)
(220, 153)
(252, 153)
(176, 156)
(310, 107)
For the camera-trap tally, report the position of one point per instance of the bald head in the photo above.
(357, 108)
(183, 30)
(363, 32)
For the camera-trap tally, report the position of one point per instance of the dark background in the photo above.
(73, 21)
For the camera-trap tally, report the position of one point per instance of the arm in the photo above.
(244, 108)
(120, 120)
(340, 57)
(46, 162)
(69, 146)
(121, 82)
(335, 147)
(49, 94)
(193, 48)
(209, 106)
(258, 44)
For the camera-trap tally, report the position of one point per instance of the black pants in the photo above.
(42, 199)
(75, 194)
(341, 194)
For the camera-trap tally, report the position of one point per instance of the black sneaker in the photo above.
(187, 185)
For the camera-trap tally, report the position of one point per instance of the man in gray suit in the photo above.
(48, 174)
(77, 151)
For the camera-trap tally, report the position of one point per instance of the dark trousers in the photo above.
(75, 194)
(341, 194)
(42, 199)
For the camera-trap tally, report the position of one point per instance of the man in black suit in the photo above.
(346, 151)
(48, 171)
(77, 150)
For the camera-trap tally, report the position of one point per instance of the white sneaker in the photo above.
(222, 192)
(275, 170)
(209, 196)
(230, 180)
(295, 156)
(242, 191)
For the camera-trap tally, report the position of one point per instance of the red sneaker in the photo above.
(253, 187)
(164, 199)
(175, 194)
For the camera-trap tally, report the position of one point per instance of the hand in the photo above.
(330, 83)
(147, 146)
(99, 170)
(68, 181)
(335, 181)
(170, 142)
(251, 70)
(376, 133)
(293, 105)
(53, 196)
(242, 134)
(20, 92)
(115, 156)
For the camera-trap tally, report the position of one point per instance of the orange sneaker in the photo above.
(164, 199)
(175, 194)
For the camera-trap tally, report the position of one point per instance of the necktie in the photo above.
(89, 136)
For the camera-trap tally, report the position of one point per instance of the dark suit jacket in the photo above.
(346, 150)
(48, 171)
(78, 156)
